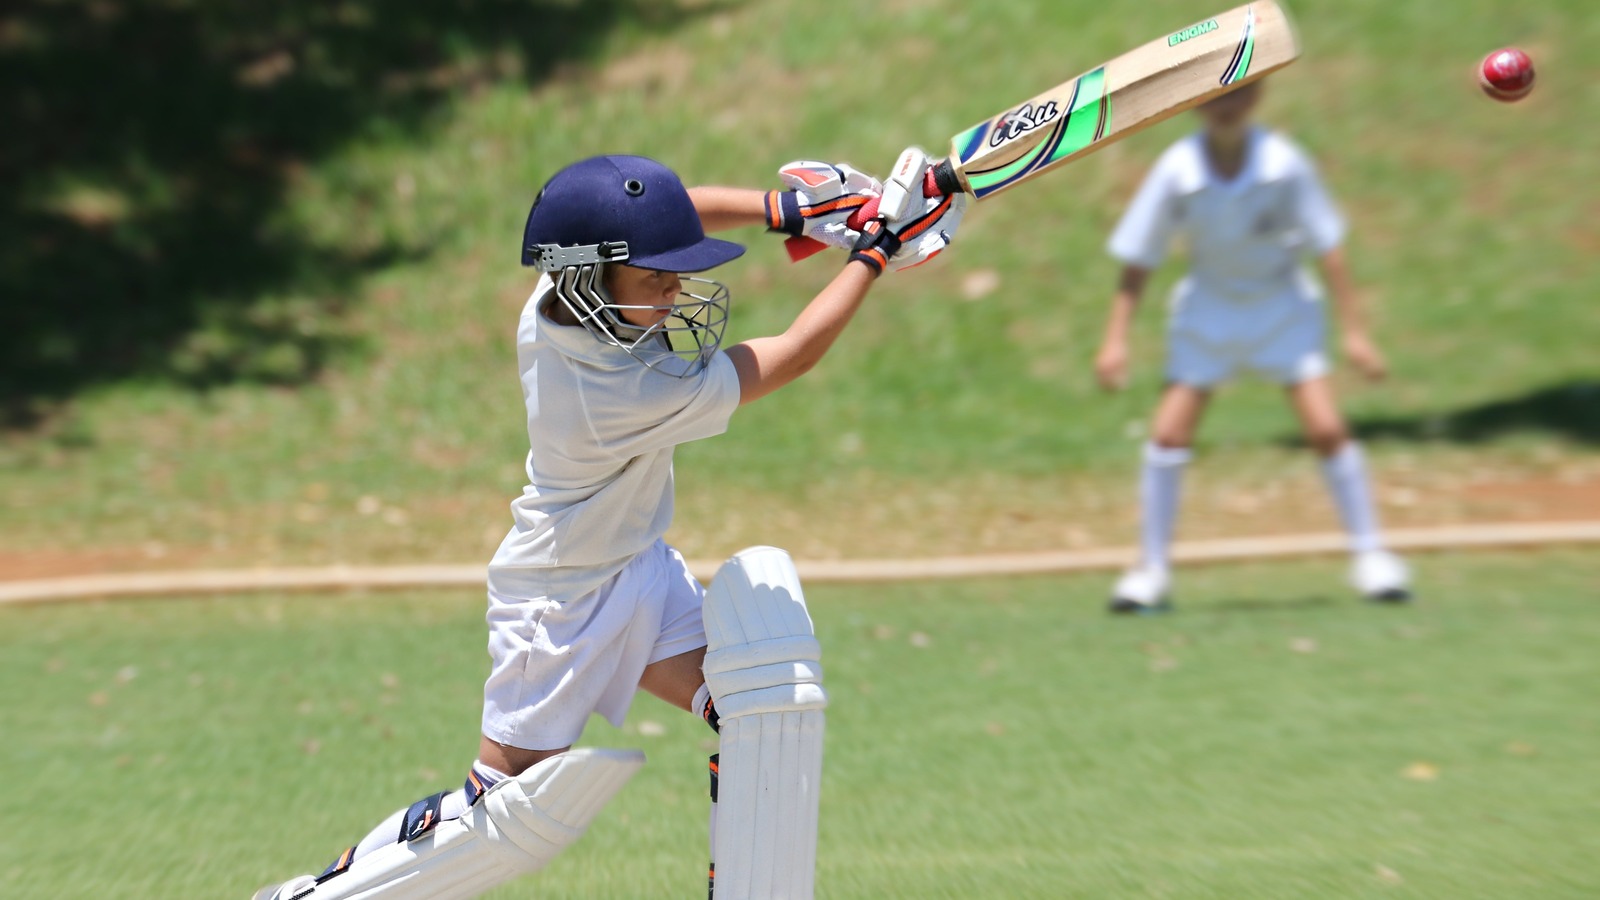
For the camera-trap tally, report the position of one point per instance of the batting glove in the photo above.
(926, 230)
(819, 200)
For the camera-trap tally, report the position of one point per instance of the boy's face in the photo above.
(1230, 113)
(653, 292)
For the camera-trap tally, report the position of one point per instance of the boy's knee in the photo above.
(1172, 437)
(1327, 438)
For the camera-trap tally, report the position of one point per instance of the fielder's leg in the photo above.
(765, 680)
(1375, 572)
(1145, 587)
(516, 827)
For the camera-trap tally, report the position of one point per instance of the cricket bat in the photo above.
(1106, 104)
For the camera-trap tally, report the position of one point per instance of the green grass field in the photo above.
(262, 309)
(975, 423)
(1275, 738)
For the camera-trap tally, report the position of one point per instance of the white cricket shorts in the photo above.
(553, 662)
(1212, 339)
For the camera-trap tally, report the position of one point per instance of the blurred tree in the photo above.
(148, 143)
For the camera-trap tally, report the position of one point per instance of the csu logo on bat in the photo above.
(1021, 121)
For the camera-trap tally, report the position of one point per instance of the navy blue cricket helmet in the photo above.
(627, 199)
(634, 211)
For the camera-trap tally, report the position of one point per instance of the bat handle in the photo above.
(930, 183)
(942, 179)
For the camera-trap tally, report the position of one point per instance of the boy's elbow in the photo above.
(804, 365)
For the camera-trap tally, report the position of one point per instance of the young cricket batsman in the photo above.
(1249, 206)
(620, 359)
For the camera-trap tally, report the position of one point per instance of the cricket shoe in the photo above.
(1141, 590)
(294, 887)
(1381, 577)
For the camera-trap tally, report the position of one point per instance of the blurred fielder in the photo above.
(1248, 204)
(620, 361)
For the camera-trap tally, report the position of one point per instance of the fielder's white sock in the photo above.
(1346, 474)
(1160, 489)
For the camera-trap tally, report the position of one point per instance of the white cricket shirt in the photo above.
(1246, 236)
(601, 430)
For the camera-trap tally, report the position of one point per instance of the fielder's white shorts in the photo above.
(553, 662)
(1212, 339)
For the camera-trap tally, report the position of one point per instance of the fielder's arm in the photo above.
(1352, 313)
(1111, 363)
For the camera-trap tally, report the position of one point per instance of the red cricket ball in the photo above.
(1506, 75)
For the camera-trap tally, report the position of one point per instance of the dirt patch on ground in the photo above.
(978, 518)
(17, 565)
(1536, 501)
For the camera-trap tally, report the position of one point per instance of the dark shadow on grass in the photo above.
(1568, 410)
(148, 146)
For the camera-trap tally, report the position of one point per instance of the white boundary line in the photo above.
(364, 578)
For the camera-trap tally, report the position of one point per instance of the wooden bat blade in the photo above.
(1134, 91)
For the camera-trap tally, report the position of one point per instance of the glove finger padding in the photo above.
(820, 200)
(925, 235)
(921, 236)
(826, 179)
(904, 186)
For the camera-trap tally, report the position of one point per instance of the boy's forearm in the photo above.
(1125, 302)
(1120, 321)
(1347, 303)
(722, 208)
(768, 363)
(825, 317)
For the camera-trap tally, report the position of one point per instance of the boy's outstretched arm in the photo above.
(768, 363)
(722, 208)
(1355, 338)
(1111, 363)
(816, 201)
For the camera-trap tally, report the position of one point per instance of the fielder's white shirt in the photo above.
(1246, 236)
(601, 430)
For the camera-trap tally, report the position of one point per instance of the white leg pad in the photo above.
(517, 827)
(762, 667)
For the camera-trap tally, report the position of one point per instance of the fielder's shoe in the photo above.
(290, 889)
(1381, 577)
(1142, 590)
